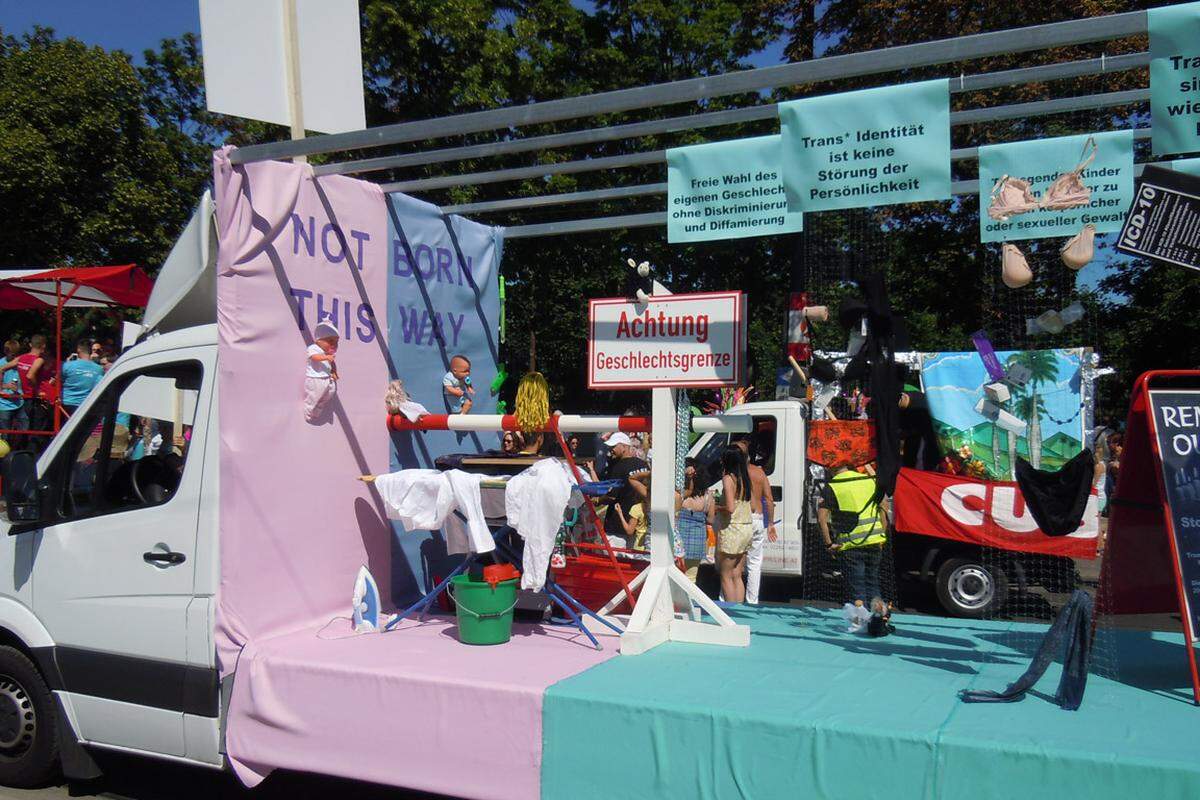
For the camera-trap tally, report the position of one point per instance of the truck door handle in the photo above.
(159, 557)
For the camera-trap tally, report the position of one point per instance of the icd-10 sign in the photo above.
(677, 340)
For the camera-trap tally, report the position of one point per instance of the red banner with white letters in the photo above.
(991, 513)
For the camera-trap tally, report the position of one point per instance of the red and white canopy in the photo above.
(77, 287)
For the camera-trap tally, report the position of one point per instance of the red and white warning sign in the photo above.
(678, 340)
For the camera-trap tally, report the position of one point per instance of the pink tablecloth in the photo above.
(412, 708)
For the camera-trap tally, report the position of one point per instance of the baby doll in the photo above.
(321, 375)
(395, 397)
(398, 401)
(456, 385)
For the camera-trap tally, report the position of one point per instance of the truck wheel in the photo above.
(967, 588)
(28, 738)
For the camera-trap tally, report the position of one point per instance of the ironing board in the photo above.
(557, 594)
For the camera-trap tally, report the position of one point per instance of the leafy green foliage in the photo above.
(84, 176)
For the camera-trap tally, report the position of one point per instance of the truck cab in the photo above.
(106, 615)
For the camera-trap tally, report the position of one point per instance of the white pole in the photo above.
(291, 57)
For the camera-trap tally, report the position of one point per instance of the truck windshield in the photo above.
(708, 458)
(762, 450)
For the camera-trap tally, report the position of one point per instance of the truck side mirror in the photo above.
(22, 496)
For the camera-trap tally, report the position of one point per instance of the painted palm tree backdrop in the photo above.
(1051, 404)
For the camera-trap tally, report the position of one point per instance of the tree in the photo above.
(84, 176)
(1043, 368)
(1012, 451)
(996, 450)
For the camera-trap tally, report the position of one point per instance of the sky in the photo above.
(129, 25)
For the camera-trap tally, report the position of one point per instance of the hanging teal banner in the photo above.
(1041, 163)
(1174, 78)
(727, 190)
(867, 148)
(1189, 165)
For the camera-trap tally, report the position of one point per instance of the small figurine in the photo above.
(320, 375)
(456, 385)
(880, 621)
(638, 284)
(395, 396)
(397, 401)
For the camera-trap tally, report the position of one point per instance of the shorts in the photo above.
(735, 538)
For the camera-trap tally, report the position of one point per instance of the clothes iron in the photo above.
(365, 602)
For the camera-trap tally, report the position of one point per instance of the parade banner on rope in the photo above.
(727, 190)
(1190, 166)
(1164, 223)
(988, 513)
(1041, 162)
(867, 148)
(1174, 78)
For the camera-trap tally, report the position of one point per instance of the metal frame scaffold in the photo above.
(508, 122)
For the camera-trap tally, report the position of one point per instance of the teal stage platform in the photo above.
(810, 711)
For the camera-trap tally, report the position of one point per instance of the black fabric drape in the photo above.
(885, 381)
(1057, 500)
(1070, 635)
(921, 448)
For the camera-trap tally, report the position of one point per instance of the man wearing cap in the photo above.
(320, 377)
(621, 463)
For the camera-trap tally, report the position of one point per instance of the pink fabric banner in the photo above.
(295, 524)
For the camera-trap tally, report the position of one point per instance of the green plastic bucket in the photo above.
(485, 615)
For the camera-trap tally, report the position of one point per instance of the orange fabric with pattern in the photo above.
(837, 443)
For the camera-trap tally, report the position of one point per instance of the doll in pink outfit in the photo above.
(320, 375)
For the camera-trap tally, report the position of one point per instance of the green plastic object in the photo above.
(485, 615)
(501, 377)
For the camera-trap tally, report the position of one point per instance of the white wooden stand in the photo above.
(665, 610)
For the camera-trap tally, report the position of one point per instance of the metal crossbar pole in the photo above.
(586, 225)
(538, 201)
(712, 119)
(969, 117)
(911, 56)
(524, 173)
(647, 189)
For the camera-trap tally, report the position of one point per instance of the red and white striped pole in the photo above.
(566, 423)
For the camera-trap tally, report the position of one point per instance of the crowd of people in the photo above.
(739, 515)
(33, 383)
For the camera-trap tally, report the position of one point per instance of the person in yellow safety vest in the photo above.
(854, 528)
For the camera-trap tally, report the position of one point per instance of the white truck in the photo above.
(110, 564)
(967, 582)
